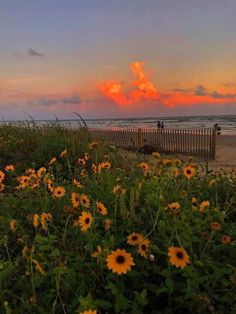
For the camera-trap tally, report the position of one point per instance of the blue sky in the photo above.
(77, 44)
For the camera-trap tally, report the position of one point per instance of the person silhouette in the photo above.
(162, 125)
(216, 126)
(158, 124)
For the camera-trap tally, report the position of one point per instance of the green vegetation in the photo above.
(84, 228)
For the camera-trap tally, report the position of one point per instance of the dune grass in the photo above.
(85, 228)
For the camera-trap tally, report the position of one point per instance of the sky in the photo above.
(112, 59)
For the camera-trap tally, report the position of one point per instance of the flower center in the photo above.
(188, 171)
(143, 247)
(87, 220)
(120, 259)
(180, 255)
(134, 238)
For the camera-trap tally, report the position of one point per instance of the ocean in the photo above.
(226, 122)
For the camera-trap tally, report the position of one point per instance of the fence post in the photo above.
(140, 138)
(213, 146)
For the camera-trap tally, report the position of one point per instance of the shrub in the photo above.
(88, 228)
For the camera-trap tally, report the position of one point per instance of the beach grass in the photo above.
(88, 228)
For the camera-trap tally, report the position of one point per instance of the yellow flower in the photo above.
(41, 172)
(194, 201)
(147, 174)
(2, 186)
(119, 261)
(94, 168)
(166, 162)
(101, 208)
(175, 172)
(30, 171)
(177, 162)
(36, 221)
(106, 165)
(225, 239)
(77, 183)
(63, 153)
(38, 267)
(143, 247)
(2, 176)
(174, 207)
(178, 257)
(84, 173)
(215, 226)
(52, 161)
(203, 205)
(24, 181)
(92, 145)
(59, 192)
(85, 221)
(89, 312)
(144, 166)
(25, 252)
(156, 155)
(134, 238)
(118, 190)
(85, 201)
(97, 251)
(33, 181)
(74, 199)
(10, 168)
(12, 225)
(82, 161)
(86, 156)
(189, 171)
(103, 165)
(107, 223)
(211, 182)
(50, 185)
(44, 218)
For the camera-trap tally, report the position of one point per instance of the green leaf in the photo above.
(141, 298)
(170, 284)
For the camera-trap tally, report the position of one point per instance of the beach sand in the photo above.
(225, 152)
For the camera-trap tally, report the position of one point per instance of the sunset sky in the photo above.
(111, 59)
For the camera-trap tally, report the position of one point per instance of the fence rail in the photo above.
(201, 143)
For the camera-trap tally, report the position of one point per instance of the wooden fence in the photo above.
(201, 143)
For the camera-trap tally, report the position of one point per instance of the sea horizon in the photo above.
(226, 122)
(119, 118)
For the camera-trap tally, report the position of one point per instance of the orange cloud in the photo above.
(145, 89)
